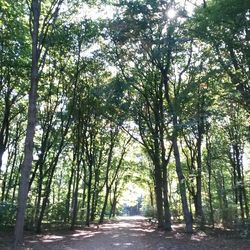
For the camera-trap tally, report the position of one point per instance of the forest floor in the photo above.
(134, 233)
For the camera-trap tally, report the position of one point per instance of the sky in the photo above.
(107, 11)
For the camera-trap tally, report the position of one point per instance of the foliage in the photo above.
(7, 214)
(144, 98)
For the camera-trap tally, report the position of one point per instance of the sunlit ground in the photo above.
(131, 218)
(133, 233)
(118, 232)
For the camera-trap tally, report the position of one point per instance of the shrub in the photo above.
(7, 213)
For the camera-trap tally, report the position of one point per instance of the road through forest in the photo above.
(134, 233)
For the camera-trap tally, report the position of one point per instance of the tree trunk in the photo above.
(199, 209)
(95, 195)
(82, 214)
(75, 197)
(158, 194)
(67, 205)
(4, 131)
(89, 195)
(209, 169)
(14, 163)
(30, 131)
(108, 167)
(181, 179)
(222, 197)
(182, 186)
(104, 204)
(88, 201)
(47, 191)
(164, 162)
(113, 202)
(39, 194)
(240, 183)
(167, 215)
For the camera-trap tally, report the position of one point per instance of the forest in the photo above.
(101, 97)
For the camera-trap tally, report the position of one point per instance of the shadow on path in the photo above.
(133, 233)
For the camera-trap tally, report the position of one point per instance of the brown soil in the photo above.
(134, 233)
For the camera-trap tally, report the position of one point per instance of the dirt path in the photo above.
(130, 233)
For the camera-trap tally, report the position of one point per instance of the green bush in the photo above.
(7, 214)
(149, 211)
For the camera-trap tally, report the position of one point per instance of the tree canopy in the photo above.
(156, 97)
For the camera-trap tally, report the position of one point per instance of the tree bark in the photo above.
(158, 193)
(181, 178)
(30, 131)
(209, 169)
(67, 203)
(108, 167)
(53, 165)
(182, 186)
(199, 209)
(75, 197)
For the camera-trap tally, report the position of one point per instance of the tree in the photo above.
(224, 25)
(156, 96)
(150, 47)
(13, 67)
(39, 49)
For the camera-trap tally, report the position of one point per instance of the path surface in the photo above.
(133, 233)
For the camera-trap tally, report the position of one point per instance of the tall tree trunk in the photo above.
(199, 209)
(30, 131)
(182, 186)
(39, 194)
(67, 204)
(246, 201)
(89, 196)
(181, 178)
(75, 197)
(82, 214)
(16, 180)
(158, 193)
(53, 165)
(107, 193)
(95, 194)
(108, 167)
(167, 215)
(113, 201)
(164, 162)
(78, 158)
(200, 131)
(209, 169)
(240, 183)
(222, 196)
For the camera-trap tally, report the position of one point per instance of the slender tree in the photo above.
(37, 45)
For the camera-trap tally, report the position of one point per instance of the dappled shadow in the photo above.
(129, 233)
(123, 233)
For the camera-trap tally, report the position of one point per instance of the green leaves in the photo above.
(225, 25)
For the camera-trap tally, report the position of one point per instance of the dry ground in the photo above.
(134, 233)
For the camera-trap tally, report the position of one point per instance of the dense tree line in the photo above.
(166, 79)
